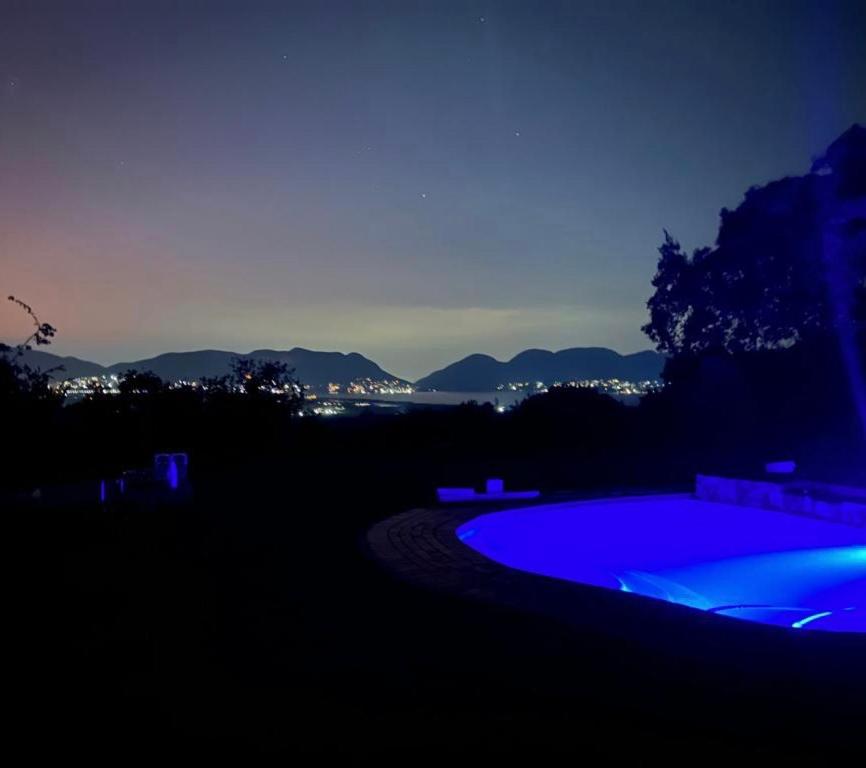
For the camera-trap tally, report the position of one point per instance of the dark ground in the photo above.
(253, 622)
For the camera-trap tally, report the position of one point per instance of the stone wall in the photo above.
(840, 504)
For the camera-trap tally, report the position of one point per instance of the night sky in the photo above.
(412, 181)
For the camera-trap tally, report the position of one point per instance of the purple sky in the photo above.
(412, 181)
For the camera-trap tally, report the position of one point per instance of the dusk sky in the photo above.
(414, 181)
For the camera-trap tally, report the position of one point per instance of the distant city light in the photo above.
(605, 386)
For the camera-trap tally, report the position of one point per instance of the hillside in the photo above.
(313, 368)
(482, 373)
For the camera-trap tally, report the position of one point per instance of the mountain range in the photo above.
(314, 368)
(475, 373)
(482, 373)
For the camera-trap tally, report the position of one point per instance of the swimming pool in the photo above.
(741, 562)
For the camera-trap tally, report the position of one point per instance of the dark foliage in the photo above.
(767, 329)
(29, 408)
(20, 382)
(789, 265)
(133, 383)
(42, 332)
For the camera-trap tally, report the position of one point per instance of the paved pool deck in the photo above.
(421, 547)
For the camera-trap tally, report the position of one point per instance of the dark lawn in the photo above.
(253, 621)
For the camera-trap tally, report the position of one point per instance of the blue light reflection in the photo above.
(740, 562)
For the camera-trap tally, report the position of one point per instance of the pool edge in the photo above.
(421, 547)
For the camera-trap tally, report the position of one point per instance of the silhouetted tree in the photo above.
(42, 332)
(17, 379)
(134, 382)
(789, 264)
(269, 379)
(766, 330)
(29, 407)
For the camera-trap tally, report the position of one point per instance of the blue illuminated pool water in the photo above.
(742, 562)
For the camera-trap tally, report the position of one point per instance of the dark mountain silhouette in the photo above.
(311, 367)
(69, 367)
(482, 373)
(476, 373)
(172, 366)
